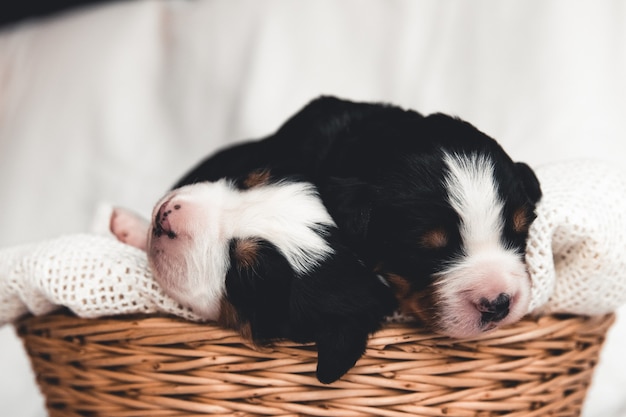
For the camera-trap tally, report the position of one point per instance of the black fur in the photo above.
(379, 170)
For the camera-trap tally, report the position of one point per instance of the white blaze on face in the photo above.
(473, 195)
(486, 268)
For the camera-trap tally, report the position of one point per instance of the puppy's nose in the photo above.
(493, 311)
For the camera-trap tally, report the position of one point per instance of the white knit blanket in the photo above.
(576, 258)
(576, 252)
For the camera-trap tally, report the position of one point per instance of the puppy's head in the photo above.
(197, 229)
(446, 225)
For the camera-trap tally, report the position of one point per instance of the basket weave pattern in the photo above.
(161, 366)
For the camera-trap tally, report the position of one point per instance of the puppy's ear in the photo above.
(338, 348)
(529, 181)
(258, 286)
(351, 203)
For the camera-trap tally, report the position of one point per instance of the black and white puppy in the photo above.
(308, 233)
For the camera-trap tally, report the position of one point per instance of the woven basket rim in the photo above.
(174, 367)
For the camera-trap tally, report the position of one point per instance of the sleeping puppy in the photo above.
(428, 209)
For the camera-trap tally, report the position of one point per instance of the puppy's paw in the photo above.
(338, 349)
(129, 228)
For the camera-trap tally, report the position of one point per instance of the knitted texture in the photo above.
(576, 258)
(576, 252)
(92, 275)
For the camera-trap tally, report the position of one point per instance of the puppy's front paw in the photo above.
(129, 228)
(338, 349)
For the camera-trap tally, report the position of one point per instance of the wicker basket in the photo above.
(156, 366)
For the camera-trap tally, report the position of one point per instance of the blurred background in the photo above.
(111, 102)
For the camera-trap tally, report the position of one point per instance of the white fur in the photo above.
(473, 195)
(192, 266)
(486, 267)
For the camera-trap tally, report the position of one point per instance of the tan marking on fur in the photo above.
(417, 304)
(246, 252)
(230, 319)
(401, 286)
(257, 178)
(521, 221)
(422, 306)
(434, 239)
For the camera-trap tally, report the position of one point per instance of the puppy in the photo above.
(430, 205)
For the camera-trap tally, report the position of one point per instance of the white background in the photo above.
(112, 104)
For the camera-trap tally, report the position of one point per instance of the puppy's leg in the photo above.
(129, 228)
